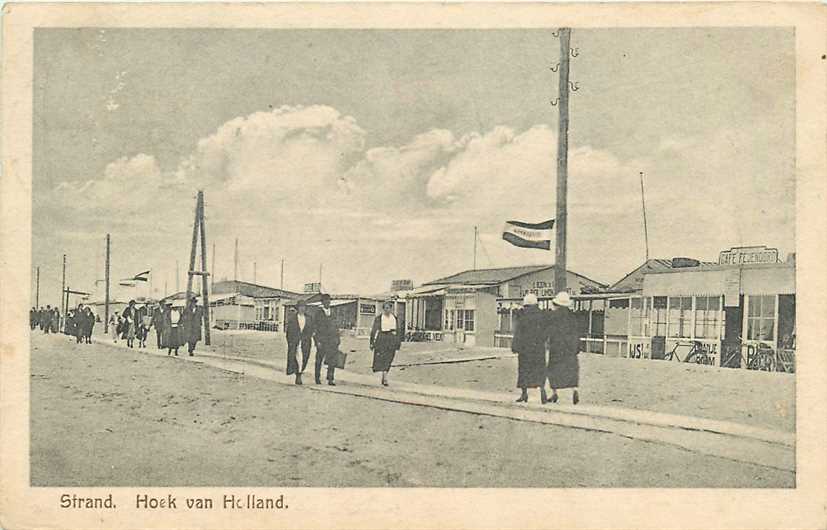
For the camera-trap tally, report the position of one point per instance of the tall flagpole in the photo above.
(562, 163)
(645, 227)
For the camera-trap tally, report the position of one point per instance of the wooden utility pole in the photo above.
(562, 163)
(254, 272)
(63, 287)
(281, 285)
(204, 281)
(106, 295)
(37, 288)
(194, 246)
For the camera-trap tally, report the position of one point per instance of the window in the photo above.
(620, 303)
(707, 317)
(469, 320)
(680, 315)
(459, 320)
(640, 317)
(761, 317)
(659, 316)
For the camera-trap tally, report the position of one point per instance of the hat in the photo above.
(530, 299)
(325, 296)
(562, 299)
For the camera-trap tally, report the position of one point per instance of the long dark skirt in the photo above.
(563, 371)
(531, 369)
(172, 337)
(384, 351)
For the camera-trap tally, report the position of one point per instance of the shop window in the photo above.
(621, 303)
(707, 317)
(469, 320)
(761, 317)
(680, 316)
(659, 316)
(640, 317)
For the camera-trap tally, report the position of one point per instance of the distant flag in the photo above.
(140, 277)
(529, 235)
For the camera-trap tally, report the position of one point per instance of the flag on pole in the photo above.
(529, 235)
(141, 277)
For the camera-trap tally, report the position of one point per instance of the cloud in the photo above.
(301, 182)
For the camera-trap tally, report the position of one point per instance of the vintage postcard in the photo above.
(413, 265)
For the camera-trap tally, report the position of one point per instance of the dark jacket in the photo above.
(564, 340)
(325, 332)
(295, 335)
(531, 331)
(377, 327)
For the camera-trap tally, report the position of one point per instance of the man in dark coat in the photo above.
(564, 345)
(298, 327)
(158, 323)
(46, 319)
(191, 321)
(529, 343)
(326, 336)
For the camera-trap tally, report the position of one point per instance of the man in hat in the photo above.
(158, 323)
(529, 343)
(564, 345)
(191, 321)
(298, 327)
(326, 336)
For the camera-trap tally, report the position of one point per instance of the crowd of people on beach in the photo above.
(546, 342)
(47, 319)
(174, 326)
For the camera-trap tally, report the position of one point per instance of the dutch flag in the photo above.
(529, 235)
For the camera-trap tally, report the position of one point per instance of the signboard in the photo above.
(367, 309)
(541, 289)
(401, 285)
(312, 288)
(748, 255)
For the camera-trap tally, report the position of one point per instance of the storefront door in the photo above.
(731, 346)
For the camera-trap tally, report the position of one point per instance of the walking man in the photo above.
(326, 336)
(298, 327)
(158, 323)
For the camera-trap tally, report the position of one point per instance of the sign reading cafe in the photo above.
(748, 255)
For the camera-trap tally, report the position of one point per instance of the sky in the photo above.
(373, 154)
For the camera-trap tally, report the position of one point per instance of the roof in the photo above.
(252, 290)
(496, 276)
(634, 280)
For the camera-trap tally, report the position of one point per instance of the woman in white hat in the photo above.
(529, 343)
(564, 345)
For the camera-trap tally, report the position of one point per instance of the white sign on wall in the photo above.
(748, 255)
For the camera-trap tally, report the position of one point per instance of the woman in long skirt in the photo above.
(564, 345)
(529, 343)
(385, 340)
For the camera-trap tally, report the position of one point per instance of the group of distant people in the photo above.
(556, 332)
(174, 327)
(47, 319)
(79, 324)
(303, 329)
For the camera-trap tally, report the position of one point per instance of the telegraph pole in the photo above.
(106, 295)
(63, 287)
(194, 245)
(204, 281)
(562, 163)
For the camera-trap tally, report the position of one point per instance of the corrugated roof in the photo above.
(495, 276)
(252, 290)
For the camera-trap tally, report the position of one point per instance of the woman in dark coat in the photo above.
(564, 345)
(529, 343)
(385, 340)
(171, 337)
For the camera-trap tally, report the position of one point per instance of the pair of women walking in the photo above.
(560, 330)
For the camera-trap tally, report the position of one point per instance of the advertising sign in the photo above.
(748, 255)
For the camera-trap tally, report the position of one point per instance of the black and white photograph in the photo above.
(535, 256)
